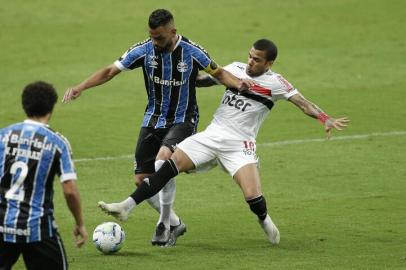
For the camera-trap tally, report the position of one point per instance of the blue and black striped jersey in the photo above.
(30, 156)
(169, 80)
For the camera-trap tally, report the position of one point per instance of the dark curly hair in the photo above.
(159, 17)
(38, 98)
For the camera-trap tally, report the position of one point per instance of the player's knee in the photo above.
(258, 207)
(138, 179)
(182, 161)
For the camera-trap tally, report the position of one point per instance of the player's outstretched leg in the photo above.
(119, 210)
(270, 230)
(258, 206)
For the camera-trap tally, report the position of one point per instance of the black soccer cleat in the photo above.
(175, 232)
(161, 235)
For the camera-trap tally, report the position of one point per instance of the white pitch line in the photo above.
(278, 143)
(102, 158)
(338, 138)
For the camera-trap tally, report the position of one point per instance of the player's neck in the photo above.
(41, 119)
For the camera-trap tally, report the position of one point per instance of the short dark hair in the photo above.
(159, 17)
(268, 46)
(38, 98)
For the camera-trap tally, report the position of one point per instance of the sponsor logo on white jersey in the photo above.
(233, 101)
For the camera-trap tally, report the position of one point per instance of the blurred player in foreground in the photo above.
(31, 154)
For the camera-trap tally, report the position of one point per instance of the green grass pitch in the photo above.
(339, 204)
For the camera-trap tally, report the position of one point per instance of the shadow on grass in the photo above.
(126, 254)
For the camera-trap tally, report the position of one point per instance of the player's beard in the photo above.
(164, 49)
(252, 73)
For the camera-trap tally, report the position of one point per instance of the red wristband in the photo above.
(322, 117)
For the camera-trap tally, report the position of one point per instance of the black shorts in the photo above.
(48, 253)
(150, 141)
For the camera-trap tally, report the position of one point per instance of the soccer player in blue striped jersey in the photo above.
(31, 154)
(170, 64)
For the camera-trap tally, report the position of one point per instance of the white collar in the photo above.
(29, 121)
(177, 42)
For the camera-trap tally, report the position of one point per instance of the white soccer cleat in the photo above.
(114, 209)
(270, 230)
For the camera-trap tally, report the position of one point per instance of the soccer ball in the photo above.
(108, 237)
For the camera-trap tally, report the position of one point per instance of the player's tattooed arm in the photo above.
(314, 111)
(205, 80)
(306, 106)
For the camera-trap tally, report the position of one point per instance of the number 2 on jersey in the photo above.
(16, 191)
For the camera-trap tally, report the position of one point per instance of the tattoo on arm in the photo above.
(306, 106)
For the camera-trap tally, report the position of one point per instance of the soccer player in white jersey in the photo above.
(230, 138)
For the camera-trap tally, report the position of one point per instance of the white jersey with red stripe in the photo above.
(240, 115)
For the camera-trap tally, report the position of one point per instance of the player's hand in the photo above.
(71, 94)
(80, 234)
(245, 85)
(338, 124)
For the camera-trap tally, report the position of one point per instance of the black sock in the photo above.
(155, 182)
(258, 206)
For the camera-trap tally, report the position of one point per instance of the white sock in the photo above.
(154, 202)
(128, 204)
(166, 198)
(174, 219)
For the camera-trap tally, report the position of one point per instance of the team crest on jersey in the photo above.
(182, 66)
(152, 61)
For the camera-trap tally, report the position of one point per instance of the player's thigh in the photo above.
(148, 145)
(239, 159)
(177, 133)
(235, 154)
(9, 253)
(200, 149)
(247, 177)
(48, 253)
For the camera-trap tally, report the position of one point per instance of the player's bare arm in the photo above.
(99, 77)
(228, 79)
(314, 111)
(205, 80)
(72, 197)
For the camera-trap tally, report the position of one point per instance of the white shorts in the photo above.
(208, 148)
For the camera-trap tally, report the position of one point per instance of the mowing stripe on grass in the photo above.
(278, 143)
